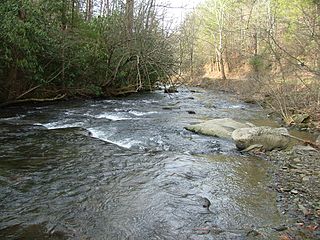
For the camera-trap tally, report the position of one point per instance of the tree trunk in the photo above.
(63, 28)
(11, 82)
(223, 72)
(107, 7)
(104, 7)
(129, 16)
(89, 10)
(149, 13)
(211, 64)
(255, 42)
(220, 54)
(218, 61)
(73, 12)
(180, 56)
(191, 63)
(317, 33)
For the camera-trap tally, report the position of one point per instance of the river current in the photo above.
(126, 168)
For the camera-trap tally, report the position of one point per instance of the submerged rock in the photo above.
(222, 127)
(74, 130)
(191, 112)
(269, 138)
(171, 89)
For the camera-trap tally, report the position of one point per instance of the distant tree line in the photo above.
(52, 49)
(273, 44)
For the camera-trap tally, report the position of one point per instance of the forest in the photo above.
(52, 49)
(265, 50)
(121, 121)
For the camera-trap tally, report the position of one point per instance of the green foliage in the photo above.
(50, 43)
(22, 40)
(257, 63)
(95, 90)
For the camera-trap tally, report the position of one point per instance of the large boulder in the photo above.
(268, 138)
(222, 127)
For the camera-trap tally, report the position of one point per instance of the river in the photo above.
(140, 175)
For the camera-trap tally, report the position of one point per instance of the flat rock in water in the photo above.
(269, 138)
(222, 127)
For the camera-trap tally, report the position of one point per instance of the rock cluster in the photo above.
(245, 135)
(268, 138)
(222, 127)
(296, 172)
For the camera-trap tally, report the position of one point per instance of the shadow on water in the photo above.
(137, 175)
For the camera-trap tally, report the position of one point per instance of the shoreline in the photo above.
(296, 177)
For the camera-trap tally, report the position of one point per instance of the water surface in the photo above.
(140, 175)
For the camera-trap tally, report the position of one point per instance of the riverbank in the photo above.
(296, 174)
(280, 109)
(297, 182)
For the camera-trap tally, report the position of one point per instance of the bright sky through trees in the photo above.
(177, 9)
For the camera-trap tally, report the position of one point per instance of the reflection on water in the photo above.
(139, 176)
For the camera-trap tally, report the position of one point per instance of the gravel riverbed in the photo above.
(297, 182)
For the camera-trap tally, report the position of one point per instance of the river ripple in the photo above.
(139, 176)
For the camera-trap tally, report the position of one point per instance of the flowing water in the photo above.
(139, 175)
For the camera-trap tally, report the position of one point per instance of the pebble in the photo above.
(296, 200)
(297, 178)
(253, 233)
(303, 209)
(306, 178)
(281, 228)
(296, 160)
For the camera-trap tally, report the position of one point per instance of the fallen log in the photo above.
(18, 101)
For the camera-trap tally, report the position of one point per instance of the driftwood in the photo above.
(59, 97)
